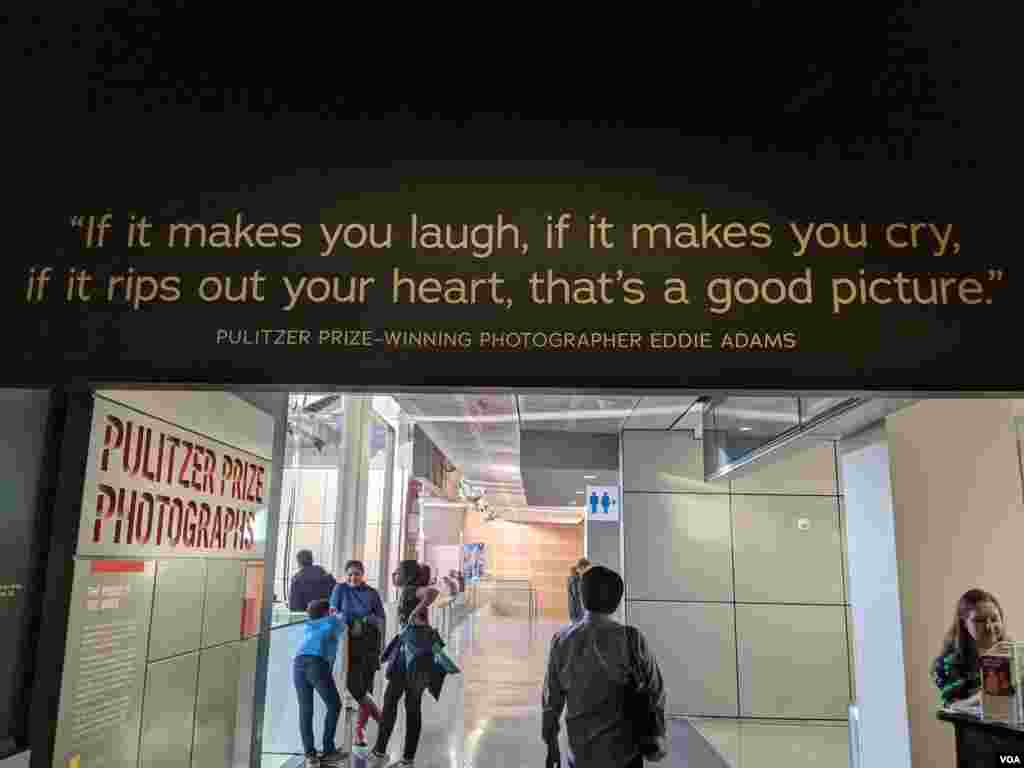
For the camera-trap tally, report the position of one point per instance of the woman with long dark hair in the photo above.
(410, 659)
(978, 625)
(362, 610)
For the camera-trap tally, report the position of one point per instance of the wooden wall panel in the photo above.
(541, 553)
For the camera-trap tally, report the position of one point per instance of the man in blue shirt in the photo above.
(312, 671)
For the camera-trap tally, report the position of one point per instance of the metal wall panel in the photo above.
(168, 713)
(177, 607)
(793, 661)
(217, 706)
(665, 461)
(246, 700)
(696, 650)
(225, 595)
(678, 547)
(788, 549)
(810, 470)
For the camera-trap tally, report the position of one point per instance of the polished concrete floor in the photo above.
(489, 716)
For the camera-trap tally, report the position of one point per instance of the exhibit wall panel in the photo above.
(742, 574)
(163, 633)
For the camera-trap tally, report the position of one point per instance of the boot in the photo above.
(364, 717)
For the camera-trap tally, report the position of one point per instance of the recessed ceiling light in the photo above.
(590, 477)
(745, 429)
(579, 493)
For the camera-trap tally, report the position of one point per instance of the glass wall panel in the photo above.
(380, 446)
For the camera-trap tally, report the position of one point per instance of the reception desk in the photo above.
(983, 743)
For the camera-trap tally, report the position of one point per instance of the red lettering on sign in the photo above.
(112, 438)
(130, 514)
(259, 485)
(227, 468)
(132, 462)
(208, 469)
(185, 463)
(217, 533)
(249, 518)
(230, 527)
(118, 524)
(160, 459)
(236, 484)
(175, 519)
(197, 467)
(105, 501)
(203, 540)
(160, 518)
(145, 506)
(146, 471)
(175, 442)
(191, 524)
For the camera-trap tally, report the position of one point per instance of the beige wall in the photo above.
(959, 524)
(540, 553)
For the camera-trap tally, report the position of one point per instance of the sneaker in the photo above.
(332, 758)
(312, 761)
(375, 760)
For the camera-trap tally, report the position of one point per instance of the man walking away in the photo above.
(310, 583)
(608, 682)
(575, 603)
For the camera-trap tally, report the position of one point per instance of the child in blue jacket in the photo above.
(312, 670)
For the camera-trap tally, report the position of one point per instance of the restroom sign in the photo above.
(602, 502)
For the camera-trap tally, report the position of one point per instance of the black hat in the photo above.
(601, 589)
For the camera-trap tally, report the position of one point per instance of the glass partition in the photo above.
(309, 494)
(380, 446)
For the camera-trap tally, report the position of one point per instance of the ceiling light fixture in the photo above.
(745, 429)
(579, 493)
(590, 477)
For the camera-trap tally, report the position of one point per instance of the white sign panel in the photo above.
(105, 664)
(153, 488)
(602, 502)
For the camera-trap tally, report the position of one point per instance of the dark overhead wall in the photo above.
(568, 450)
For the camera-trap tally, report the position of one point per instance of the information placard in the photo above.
(105, 663)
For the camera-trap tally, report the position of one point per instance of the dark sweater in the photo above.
(309, 584)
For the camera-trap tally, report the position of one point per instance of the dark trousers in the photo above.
(314, 673)
(402, 684)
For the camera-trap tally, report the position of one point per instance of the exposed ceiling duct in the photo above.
(482, 434)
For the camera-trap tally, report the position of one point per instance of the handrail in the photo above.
(504, 585)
